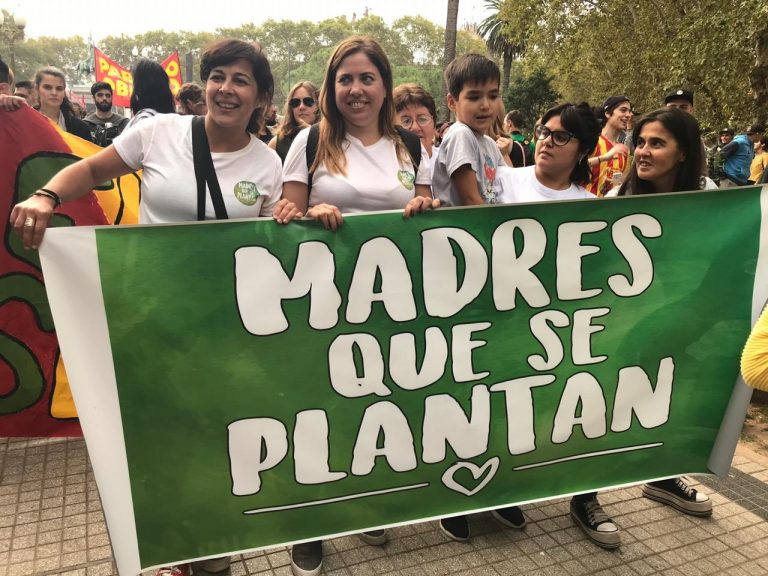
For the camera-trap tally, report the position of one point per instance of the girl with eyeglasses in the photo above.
(301, 110)
(415, 111)
(564, 139)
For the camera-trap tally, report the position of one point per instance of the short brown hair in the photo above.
(225, 51)
(412, 94)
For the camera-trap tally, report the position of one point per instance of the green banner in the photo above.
(278, 383)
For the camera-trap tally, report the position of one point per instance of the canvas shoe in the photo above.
(307, 558)
(374, 537)
(597, 525)
(676, 493)
(511, 516)
(456, 528)
(177, 570)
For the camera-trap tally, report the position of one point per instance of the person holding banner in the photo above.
(668, 158)
(355, 160)
(244, 176)
(301, 110)
(53, 103)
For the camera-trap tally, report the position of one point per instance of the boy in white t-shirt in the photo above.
(465, 166)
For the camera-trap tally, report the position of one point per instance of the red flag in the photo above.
(109, 71)
(172, 67)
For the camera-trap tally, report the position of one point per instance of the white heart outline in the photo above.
(476, 472)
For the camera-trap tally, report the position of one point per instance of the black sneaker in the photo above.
(307, 558)
(456, 528)
(511, 517)
(597, 525)
(374, 537)
(676, 493)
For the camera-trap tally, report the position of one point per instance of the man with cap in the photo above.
(680, 98)
(610, 157)
(738, 154)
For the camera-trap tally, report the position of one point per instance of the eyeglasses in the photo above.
(296, 102)
(559, 137)
(421, 120)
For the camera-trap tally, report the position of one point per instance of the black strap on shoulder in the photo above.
(312, 139)
(413, 144)
(205, 171)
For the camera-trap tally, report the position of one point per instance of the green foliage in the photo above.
(532, 94)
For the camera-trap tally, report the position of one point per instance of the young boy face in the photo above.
(476, 105)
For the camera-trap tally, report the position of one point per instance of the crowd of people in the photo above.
(358, 144)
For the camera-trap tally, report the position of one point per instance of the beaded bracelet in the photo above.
(48, 194)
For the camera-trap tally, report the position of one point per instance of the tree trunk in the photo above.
(506, 69)
(449, 51)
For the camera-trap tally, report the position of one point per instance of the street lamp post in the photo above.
(12, 31)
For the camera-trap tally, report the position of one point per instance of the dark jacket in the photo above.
(78, 128)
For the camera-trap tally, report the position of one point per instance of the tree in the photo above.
(532, 94)
(501, 38)
(449, 48)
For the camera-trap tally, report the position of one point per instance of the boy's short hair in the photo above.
(6, 75)
(28, 84)
(470, 68)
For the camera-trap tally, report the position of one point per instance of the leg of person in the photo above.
(212, 567)
(374, 537)
(511, 517)
(456, 528)
(676, 493)
(597, 525)
(307, 558)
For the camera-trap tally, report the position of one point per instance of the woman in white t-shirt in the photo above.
(564, 139)
(238, 85)
(362, 163)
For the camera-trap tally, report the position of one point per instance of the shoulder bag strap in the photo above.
(205, 171)
(312, 140)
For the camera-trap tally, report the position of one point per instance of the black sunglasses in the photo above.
(296, 102)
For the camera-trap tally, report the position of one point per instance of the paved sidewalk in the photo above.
(51, 523)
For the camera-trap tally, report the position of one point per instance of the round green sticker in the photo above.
(246, 192)
(406, 179)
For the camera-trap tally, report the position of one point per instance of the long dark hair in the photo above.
(151, 88)
(685, 130)
(579, 120)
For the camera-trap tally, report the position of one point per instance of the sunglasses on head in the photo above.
(296, 102)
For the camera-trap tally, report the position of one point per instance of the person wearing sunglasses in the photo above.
(301, 110)
(564, 139)
(415, 111)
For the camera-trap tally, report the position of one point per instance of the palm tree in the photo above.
(449, 51)
(497, 38)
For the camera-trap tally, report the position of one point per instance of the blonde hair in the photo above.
(332, 127)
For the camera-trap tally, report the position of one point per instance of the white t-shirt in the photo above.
(250, 179)
(375, 180)
(516, 185)
(709, 184)
(462, 146)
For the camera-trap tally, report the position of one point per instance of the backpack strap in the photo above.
(312, 139)
(413, 144)
(205, 172)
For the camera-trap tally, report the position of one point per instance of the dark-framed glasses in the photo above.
(421, 120)
(296, 102)
(559, 137)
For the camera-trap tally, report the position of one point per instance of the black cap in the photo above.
(613, 101)
(756, 128)
(679, 94)
(727, 131)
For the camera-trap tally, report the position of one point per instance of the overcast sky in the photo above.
(64, 18)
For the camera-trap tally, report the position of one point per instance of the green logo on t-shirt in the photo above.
(406, 179)
(247, 192)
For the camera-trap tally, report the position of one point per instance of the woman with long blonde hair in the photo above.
(301, 110)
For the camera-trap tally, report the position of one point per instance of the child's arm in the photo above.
(465, 181)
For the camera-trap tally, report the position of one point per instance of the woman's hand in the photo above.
(328, 214)
(30, 218)
(10, 103)
(504, 144)
(420, 204)
(285, 211)
(619, 149)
